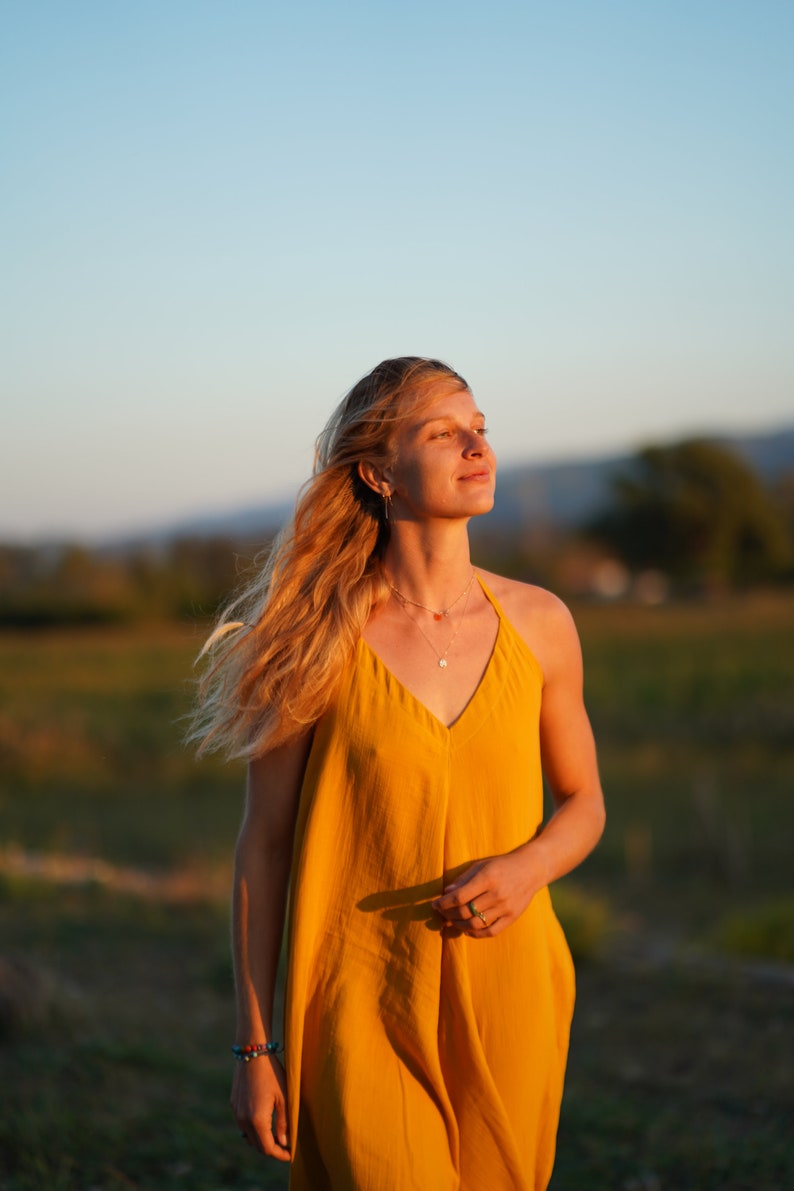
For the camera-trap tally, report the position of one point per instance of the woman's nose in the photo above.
(475, 444)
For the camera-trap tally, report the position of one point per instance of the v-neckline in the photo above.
(473, 697)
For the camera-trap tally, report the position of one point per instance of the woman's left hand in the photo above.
(488, 896)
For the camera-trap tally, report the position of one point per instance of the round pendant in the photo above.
(442, 663)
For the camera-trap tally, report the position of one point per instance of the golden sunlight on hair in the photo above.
(306, 609)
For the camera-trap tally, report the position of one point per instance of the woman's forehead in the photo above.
(445, 400)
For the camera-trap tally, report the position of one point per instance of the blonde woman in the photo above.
(397, 707)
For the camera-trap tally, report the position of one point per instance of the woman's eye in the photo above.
(481, 430)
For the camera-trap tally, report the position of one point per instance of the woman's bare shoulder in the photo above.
(524, 598)
(539, 616)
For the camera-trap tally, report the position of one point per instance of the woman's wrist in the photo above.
(246, 1051)
(534, 866)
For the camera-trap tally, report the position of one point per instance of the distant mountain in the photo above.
(570, 493)
(563, 494)
(251, 521)
(771, 456)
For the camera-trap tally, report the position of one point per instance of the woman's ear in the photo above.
(375, 477)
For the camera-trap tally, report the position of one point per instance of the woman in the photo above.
(395, 705)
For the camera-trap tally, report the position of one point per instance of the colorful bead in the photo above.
(254, 1050)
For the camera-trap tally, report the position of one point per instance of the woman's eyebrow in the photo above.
(449, 418)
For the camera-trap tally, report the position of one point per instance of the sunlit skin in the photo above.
(443, 469)
(442, 473)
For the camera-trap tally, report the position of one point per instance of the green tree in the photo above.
(696, 511)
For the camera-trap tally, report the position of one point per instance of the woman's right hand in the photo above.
(259, 1103)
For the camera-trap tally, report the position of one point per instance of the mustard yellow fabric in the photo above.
(415, 1062)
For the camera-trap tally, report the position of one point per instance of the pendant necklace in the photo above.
(436, 614)
(442, 657)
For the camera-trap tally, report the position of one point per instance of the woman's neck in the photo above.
(430, 568)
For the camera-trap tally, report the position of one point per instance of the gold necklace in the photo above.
(442, 657)
(444, 611)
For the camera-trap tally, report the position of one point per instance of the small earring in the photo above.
(386, 506)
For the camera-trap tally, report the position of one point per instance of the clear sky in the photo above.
(217, 215)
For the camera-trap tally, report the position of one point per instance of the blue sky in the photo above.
(217, 216)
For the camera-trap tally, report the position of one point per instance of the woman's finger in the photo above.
(280, 1132)
(474, 916)
(267, 1142)
(462, 890)
(456, 903)
(482, 904)
(473, 929)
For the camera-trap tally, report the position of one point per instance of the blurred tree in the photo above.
(783, 495)
(70, 584)
(696, 511)
(205, 572)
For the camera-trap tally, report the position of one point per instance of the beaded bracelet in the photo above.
(255, 1050)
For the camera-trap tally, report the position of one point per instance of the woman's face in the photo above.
(443, 466)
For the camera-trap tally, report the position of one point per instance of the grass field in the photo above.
(115, 987)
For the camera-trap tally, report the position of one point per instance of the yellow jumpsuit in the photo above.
(416, 1062)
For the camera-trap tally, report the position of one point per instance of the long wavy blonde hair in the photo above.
(279, 648)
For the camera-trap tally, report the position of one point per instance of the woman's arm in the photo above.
(569, 759)
(502, 887)
(261, 875)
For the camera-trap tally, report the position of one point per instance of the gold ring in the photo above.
(477, 913)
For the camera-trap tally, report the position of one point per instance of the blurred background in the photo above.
(215, 219)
